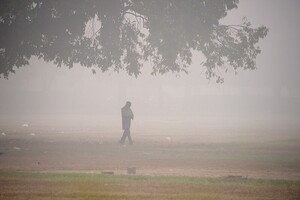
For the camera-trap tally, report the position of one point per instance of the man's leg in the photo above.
(123, 137)
(129, 137)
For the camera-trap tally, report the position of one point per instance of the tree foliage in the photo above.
(123, 34)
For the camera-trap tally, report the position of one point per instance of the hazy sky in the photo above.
(270, 91)
(278, 63)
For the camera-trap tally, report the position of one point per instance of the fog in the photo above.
(267, 97)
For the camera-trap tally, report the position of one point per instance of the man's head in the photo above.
(128, 104)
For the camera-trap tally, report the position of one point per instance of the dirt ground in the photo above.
(169, 148)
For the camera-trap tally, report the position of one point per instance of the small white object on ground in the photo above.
(3, 134)
(32, 134)
(168, 138)
(17, 148)
(25, 125)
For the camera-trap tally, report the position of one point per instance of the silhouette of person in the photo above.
(127, 116)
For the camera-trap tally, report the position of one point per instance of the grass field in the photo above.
(26, 185)
(172, 161)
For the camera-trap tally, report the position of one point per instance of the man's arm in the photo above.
(131, 113)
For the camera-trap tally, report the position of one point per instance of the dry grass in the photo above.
(252, 154)
(171, 163)
(24, 185)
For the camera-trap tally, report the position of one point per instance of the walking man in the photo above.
(127, 116)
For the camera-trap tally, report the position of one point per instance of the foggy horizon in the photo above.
(269, 95)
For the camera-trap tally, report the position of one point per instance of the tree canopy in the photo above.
(124, 34)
